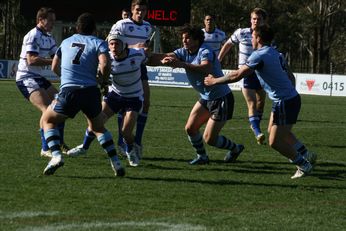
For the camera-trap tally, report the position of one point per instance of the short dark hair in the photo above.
(43, 13)
(265, 33)
(260, 11)
(138, 2)
(195, 32)
(86, 24)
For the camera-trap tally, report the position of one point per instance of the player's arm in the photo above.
(204, 67)
(231, 77)
(33, 59)
(224, 50)
(56, 68)
(104, 68)
(158, 59)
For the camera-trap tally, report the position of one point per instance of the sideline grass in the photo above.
(164, 193)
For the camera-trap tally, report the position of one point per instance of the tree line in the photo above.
(311, 33)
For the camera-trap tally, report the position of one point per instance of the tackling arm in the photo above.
(232, 77)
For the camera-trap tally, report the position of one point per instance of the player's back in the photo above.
(79, 59)
(133, 32)
(272, 73)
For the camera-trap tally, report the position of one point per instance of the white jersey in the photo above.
(214, 40)
(126, 74)
(35, 41)
(242, 36)
(133, 32)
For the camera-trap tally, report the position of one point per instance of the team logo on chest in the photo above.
(131, 28)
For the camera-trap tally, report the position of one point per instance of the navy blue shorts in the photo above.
(220, 109)
(286, 111)
(71, 100)
(118, 103)
(29, 85)
(144, 72)
(252, 82)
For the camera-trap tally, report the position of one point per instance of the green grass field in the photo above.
(164, 192)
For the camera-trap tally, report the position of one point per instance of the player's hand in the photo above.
(209, 80)
(167, 61)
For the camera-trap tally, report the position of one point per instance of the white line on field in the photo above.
(129, 225)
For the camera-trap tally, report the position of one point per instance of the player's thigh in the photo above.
(249, 95)
(50, 118)
(40, 99)
(199, 115)
(52, 91)
(260, 96)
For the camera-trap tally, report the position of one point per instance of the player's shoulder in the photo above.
(243, 30)
(146, 23)
(219, 31)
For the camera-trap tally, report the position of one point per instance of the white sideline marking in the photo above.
(130, 224)
(25, 214)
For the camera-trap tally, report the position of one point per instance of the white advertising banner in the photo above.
(318, 84)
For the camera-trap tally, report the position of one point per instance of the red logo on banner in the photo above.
(310, 84)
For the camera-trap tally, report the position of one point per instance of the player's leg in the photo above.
(281, 138)
(220, 111)
(143, 116)
(129, 123)
(199, 115)
(250, 86)
(50, 119)
(89, 135)
(52, 91)
(40, 99)
(260, 102)
(120, 142)
(91, 106)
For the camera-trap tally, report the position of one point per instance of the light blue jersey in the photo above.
(196, 79)
(79, 60)
(270, 68)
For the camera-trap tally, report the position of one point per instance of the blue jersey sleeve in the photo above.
(255, 61)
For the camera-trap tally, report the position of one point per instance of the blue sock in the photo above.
(53, 140)
(89, 136)
(141, 122)
(197, 143)
(255, 124)
(44, 144)
(107, 143)
(120, 125)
